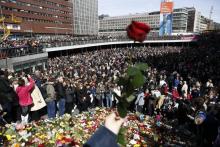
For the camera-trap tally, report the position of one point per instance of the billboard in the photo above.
(166, 7)
(166, 18)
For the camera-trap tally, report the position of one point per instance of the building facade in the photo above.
(37, 16)
(117, 25)
(180, 17)
(196, 21)
(216, 26)
(85, 14)
(185, 20)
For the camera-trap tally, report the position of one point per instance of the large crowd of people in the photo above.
(67, 40)
(21, 46)
(182, 84)
(17, 48)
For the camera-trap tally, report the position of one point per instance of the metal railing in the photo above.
(9, 52)
(59, 43)
(20, 51)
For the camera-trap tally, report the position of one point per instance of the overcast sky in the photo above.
(123, 7)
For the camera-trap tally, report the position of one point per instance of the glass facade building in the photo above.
(85, 17)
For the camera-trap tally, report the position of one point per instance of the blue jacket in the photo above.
(103, 137)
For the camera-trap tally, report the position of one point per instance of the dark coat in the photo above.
(103, 137)
(80, 94)
(70, 95)
(60, 90)
(83, 100)
(7, 94)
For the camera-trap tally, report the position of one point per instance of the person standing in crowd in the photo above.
(51, 98)
(139, 103)
(38, 77)
(24, 95)
(8, 98)
(89, 96)
(70, 97)
(176, 81)
(108, 96)
(39, 82)
(38, 104)
(93, 92)
(61, 95)
(102, 93)
(98, 96)
(184, 90)
(16, 110)
(82, 98)
(116, 90)
(209, 85)
(175, 94)
(195, 92)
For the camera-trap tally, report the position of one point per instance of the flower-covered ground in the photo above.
(75, 131)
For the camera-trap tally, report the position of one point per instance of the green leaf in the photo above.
(9, 132)
(132, 71)
(128, 89)
(141, 66)
(130, 98)
(122, 110)
(138, 80)
(122, 81)
(121, 137)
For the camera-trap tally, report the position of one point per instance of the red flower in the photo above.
(67, 139)
(138, 31)
(41, 145)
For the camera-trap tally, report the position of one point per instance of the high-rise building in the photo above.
(85, 17)
(37, 16)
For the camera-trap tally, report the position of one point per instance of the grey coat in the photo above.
(51, 94)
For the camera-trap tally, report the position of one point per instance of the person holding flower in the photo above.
(106, 136)
(25, 100)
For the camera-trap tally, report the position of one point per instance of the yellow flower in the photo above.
(8, 137)
(51, 141)
(42, 136)
(137, 145)
(58, 136)
(16, 145)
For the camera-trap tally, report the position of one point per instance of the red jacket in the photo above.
(175, 94)
(24, 93)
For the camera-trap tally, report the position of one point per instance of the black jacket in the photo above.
(81, 93)
(60, 90)
(7, 94)
(70, 95)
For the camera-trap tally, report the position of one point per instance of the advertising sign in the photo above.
(166, 18)
(166, 7)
